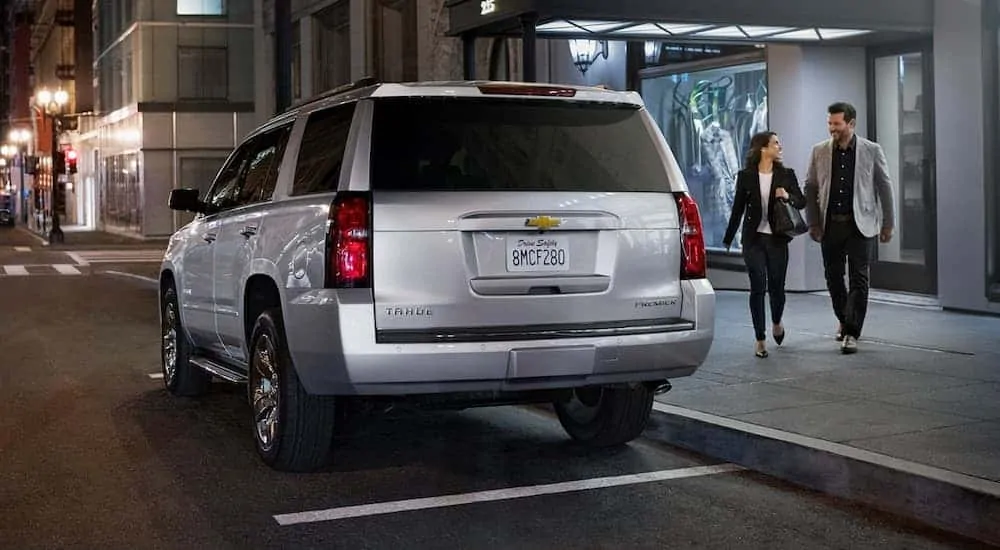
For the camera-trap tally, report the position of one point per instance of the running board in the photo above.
(220, 370)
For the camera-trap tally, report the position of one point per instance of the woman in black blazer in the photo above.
(759, 186)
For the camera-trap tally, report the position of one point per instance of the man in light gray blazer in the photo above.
(848, 204)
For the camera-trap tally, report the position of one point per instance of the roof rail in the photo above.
(363, 82)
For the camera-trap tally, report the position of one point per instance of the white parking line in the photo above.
(499, 494)
(142, 278)
(15, 270)
(155, 375)
(22, 249)
(66, 269)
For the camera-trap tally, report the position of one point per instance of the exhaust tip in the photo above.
(662, 388)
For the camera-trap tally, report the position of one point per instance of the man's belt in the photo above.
(841, 217)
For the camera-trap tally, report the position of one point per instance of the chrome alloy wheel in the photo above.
(169, 344)
(265, 394)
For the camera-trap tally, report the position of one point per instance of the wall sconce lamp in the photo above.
(652, 51)
(585, 52)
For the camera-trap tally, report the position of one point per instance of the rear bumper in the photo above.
(331, 336)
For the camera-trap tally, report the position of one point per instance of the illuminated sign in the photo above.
(487, 7)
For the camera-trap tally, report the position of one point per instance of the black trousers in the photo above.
(842, 241)
(766, 258)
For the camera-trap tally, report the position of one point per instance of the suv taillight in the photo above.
(349, 241)
(693, 264)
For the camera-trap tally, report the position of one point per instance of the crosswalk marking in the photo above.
(22, 249)
(130, 256)
(16, 270)
(66, 269)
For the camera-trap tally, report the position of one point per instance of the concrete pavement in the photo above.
(80, 237)
(913, 418)
(23, 255)
(914, 415)
(94, 453)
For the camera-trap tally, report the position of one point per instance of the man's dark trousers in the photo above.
(842, 240)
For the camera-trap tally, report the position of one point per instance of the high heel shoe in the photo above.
(779, 338)
(761, 351)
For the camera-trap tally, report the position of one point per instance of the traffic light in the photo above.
(71, 156)
(58, 162)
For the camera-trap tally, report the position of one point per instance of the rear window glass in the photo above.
(434, 144)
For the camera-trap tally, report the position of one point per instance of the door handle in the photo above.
(209, 237)
(249, 230)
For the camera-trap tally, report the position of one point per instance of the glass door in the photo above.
(902, 119)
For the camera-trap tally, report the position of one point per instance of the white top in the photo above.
(765, 195)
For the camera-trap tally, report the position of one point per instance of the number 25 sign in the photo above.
(487, 7)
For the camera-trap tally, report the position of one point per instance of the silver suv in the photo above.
(472, 243)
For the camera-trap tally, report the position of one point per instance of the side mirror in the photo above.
(185, 200)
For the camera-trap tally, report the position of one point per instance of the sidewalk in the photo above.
(78, 237)
(924, 388)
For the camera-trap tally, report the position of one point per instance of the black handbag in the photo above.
(788, 221)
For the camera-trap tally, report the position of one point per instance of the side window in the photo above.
(322, 151)
(263, 164)
(251, 173)
(225, 191)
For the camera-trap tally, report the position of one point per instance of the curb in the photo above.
(130, 243)
(954, 502)
(33, 234)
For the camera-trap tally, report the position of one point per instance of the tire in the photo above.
(292, 430)
(603, 416)
(181, 377)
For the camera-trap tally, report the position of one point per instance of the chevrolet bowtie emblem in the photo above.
(543, 223)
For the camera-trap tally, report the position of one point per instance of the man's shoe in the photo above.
(849, 345)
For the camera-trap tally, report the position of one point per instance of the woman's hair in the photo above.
(759, 141)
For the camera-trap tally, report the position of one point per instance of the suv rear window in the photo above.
(434, 144)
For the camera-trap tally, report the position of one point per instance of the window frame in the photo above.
(226, 86)
(991, 140)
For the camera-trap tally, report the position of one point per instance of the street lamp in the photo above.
(52, 104)
(20, 137)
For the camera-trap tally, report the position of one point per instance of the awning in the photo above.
(686, 20)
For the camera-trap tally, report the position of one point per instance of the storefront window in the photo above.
(121, 201)
(992, 76)
(899, 129)
(708, 116)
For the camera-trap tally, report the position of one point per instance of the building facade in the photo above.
(48, 44)
(15, 102)
(178, 83)
(334, 42)
(173, 83)
(922, 74)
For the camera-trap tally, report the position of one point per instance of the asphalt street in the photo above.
(94, 454)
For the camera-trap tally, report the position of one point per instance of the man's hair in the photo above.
(842, 107)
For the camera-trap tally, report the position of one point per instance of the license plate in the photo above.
(528, 253)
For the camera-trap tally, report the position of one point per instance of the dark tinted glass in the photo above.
(322, 150)
(262, 169)
(439, 144)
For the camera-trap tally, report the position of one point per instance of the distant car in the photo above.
(6, 217)
(472, 243)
